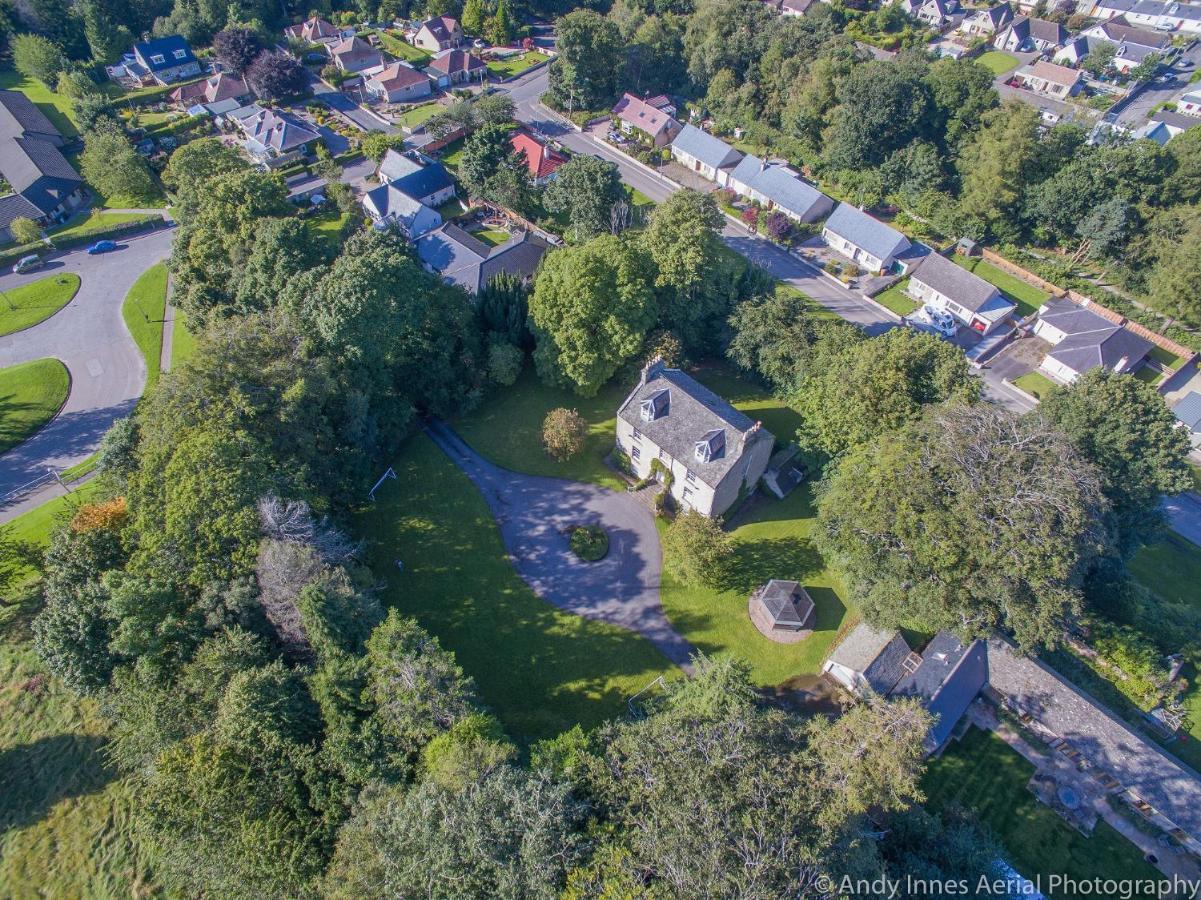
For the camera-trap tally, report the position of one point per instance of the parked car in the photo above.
(102, 247)
(941, 320)
(28, 263)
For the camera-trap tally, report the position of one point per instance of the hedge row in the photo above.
(10, 255)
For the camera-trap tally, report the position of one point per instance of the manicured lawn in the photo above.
(1166, 358)
(1026, 296)
(327, 227)
(515, 65)
(451, 209)
(36, 301)
(99, 220)
(452, 154)
(540, 669)
(1036, 384)
(56, 107)
(998, 62)
(183, 342)
(639, 199)
(1148, 374)
(31, 394)
(418, 114)
(143, 310)
(403, 49)
(493, 237)
(983, 774)
(897, 300)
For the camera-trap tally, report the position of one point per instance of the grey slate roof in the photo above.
(1188, 411)
(1121, 32)
(1175, 119)
(950, 676)
(965, 288)
(19, 116)
(786, 602)
(876, 654)
(1051, 32)
(1091, 339)
(865, 232)
(1134, 52)
(277, 129)
(705, 147)
(693, 411)
(784, 188)
(30, 160)
(14, 206)
(470, 263)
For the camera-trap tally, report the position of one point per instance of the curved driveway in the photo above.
(622, 589)
(90, 337)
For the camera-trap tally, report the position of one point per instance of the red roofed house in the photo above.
(450, 67)
(541, 160)
(398, 83)
(639, 115)
(1048, 79)
(438, 33)
(315, 31)
(354, 55)
(222, 86)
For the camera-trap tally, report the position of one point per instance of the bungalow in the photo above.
(1129, 56)
(935, 13)
(354, 54)
(1048, 79)
(44, 187)
(970, 299)
(438, 33)
(714, 453)
(468, 262)
(869, 242)
(795, 7)
(273, 137)
(541, 160)
(987, 21)
(398, 82)
(425, 182)
(704, 154)
(222, 86)
(1082, 340)
(1025, 33)
(390, 207)
(451, 67)
(313, 31)
(655, 122)
(1119, 31)
(779, 187)
(1073, 52)
(1165, 125)
(1189, 104)
(166, 59)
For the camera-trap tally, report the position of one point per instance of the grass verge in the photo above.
(1035, 384)
(144, 309)
(99, 220)
(31, 394)
(515, 65)
(29, 304)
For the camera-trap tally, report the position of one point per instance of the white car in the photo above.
(943, 321)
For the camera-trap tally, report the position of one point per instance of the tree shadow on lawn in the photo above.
(37, 775)
(756, 562)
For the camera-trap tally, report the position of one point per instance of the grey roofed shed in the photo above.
(705, 147)
(965, 288)
(1188, 411)
(947, 680)
(877, 655)
(866, 232)
(787, 604)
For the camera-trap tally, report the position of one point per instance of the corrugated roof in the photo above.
(705, 147)
(866, 232)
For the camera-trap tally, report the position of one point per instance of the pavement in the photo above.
(533, 514)
(89, 336)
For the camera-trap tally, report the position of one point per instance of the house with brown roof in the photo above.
(398, 82)
(313, 31)
(455, 66)
(639, 115)
(222, 86)
(1048, 79)
(353, 54)
(438, 33)
(540, 159)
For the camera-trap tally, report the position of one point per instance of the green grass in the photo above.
(183, 343)
(639, 199)
(1148, 374)
(403, 49)
(99, 220)
(144, 308)
(516, 64)
(31, 394)
(998, 62)
(1036, 384)
(452, 154)
(540, 669)
(37, 301)
(982, 773)
(1026, 296)
(80, 468)
(451, 209)
(418, 114)
(493, 237)
(896, 299)
(1166, 358)
(327, 228)
(56, 107)
(101, 200)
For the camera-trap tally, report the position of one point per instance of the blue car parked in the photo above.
(102, 247)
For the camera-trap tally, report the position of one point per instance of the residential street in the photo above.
(90, 337)
(783, 265)
(323, 93)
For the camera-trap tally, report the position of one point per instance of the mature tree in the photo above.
(591, 307)
(492, 109)
(971, 519)
(1100, 59)
(25, 230)
(512, 834)
(696, 549)
(585, 73)
(564, 432)
(37, 57)
(472, 19)
(994, 167)
(655, 58)
(501, 25)
(584, 190)
(881, 106)
(236, 48)
(502, 307)
(377, 143)
(857, 390)
(90, 109)
(192, 166)
(111, 165)
(276, 76)
(488, 157)
(107, 36)
(1123, 427)
(1175, 279)
(504, 361)
(282, 249)
(1185, 150)
(962, 92)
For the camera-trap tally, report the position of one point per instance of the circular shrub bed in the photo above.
(589, 542)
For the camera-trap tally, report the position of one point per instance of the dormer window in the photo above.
(711, 446)
(656, 406)
(158, 59)
(181, 54)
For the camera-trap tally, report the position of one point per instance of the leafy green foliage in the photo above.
(585, 190)
(585, 73)
(696, 549)
(111, 165)
(38, 57)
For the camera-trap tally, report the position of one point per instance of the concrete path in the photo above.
(90, 337)
(531, 512)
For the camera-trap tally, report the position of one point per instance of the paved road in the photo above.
(1136, 112)
(90, 337)
(323, 93)
(532, 512)
(783, 265)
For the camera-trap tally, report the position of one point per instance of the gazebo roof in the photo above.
(786, 602)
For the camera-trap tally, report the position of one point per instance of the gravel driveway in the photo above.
(622, 589)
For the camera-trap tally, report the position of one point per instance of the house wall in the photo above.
(1189, 107)
(858, 254)
(1058, 371)
(176, 73)
(748, 471)
(642, 450)
(695, 165)
(400, 95)
(439, 197)
(1048, 333)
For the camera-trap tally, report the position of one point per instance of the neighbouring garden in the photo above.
(997, 61)
(515, 65)
(1036, 384)
(25, 306)
(1026, 296)
(896, 300)
(31, 394)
